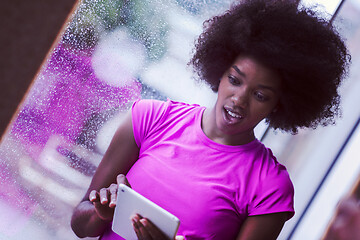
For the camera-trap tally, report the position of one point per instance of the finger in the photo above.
(121, 178)
(152, 231)
(147, 229)
(103, 196)
(93, 196)
(113, 194)
(135, 223)
(97, 205)
(144, 229)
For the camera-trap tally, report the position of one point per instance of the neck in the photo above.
(208, 125)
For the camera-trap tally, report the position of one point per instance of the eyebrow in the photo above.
(238, 71)
(260, 86)
(268, 87)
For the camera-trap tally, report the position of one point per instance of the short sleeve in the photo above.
(274, 194)
(146, 116)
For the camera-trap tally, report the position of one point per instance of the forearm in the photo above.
(88, 220)
(85, 222)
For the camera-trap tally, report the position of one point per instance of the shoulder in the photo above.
(150, 116)
(272, 172)
(158, 109)
(149, 105)
(149, 110)
(154, 103)
(274, 191)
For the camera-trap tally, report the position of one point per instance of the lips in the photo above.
(232, 116)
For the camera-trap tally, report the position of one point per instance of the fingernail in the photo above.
(134, 224)
(135, 218)
(143, 221)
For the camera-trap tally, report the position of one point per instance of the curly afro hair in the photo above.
(304, 48)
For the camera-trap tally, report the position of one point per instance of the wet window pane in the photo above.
(112, 53)
(309, 154)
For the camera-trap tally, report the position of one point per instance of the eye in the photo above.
(233, 80)
(260, 96)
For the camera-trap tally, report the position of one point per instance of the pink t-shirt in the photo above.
(210, 187)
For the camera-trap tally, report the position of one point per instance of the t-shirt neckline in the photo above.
(218, 146)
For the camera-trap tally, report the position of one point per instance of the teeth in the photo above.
(233, 114)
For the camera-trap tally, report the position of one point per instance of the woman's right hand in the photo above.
(91, 217)
(104, 200)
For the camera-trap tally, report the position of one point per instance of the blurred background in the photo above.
(70, 69)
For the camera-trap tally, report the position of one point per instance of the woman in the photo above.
(266, 60)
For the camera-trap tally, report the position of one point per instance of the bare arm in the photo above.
(90, 218)
(262, 227)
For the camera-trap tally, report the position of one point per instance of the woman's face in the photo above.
(248, 92)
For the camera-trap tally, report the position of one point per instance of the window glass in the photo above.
(327, 6)
(338, 185)
(110, 54)
(309, 154)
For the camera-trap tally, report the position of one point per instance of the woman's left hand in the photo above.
(146, 230)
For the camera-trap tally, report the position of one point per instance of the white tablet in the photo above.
(129, 203)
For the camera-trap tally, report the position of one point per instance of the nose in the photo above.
(240, 98)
